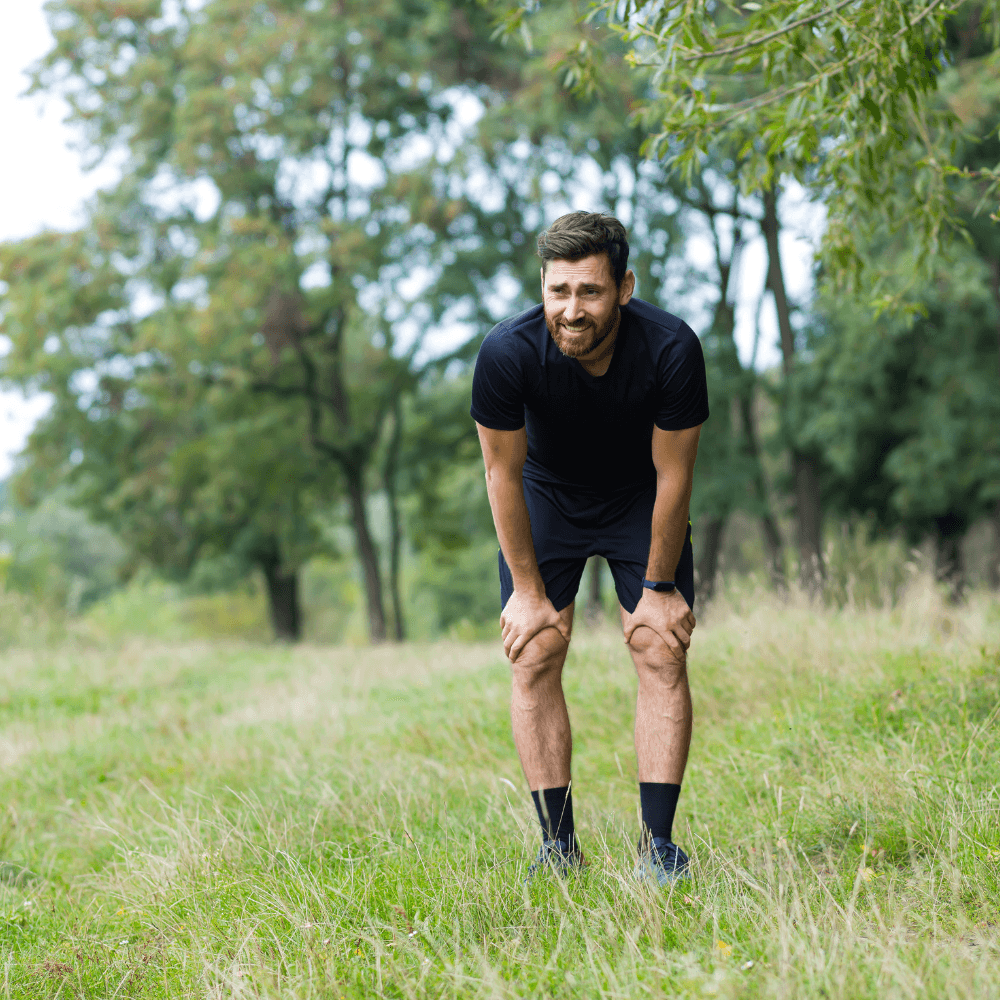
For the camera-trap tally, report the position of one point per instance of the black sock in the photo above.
(555, 812)
(659, 803)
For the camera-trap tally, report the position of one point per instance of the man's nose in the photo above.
(572, 312)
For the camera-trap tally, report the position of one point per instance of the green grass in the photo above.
(221, 820)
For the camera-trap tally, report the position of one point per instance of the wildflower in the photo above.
(746, 965)
(119, 911)
(726, 949)
(868, 874)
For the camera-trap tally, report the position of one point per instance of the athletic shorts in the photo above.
(568, 527)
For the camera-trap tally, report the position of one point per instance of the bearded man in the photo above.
(588, 409)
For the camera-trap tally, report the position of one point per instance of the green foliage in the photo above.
(56, 555)
(243, 288)
(465, 586)
(152, 610)
(831, 93)
(231, 606)
(905, 411)
(239, 344)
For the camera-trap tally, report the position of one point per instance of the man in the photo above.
(589, 408)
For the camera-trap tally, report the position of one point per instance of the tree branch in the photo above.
(755, 103)
(289, 392)
(339, 455)
(736, 49)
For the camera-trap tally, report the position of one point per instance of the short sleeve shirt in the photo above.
(585, 431)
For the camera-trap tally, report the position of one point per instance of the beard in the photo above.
(577, 348)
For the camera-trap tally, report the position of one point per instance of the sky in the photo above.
(43, 186)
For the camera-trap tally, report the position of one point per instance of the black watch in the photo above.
(660, 586)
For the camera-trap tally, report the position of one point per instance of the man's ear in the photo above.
(627, 288)
(541, 272)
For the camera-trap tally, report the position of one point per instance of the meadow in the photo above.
(226, 819)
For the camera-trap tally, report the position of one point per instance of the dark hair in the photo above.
(583, 234)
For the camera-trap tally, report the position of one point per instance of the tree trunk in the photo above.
(368, 557)
(395, 528)
(808, 508)
(809, 514)
(772, 536)
(775, 551)
(708, 562)
(995, 287)
(595, 607)
(993, 570)
(282, 599)
(949, 567)
(723, 328)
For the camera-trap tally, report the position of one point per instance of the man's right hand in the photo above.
(524, 616)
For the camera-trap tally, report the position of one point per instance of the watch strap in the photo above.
(660, 586)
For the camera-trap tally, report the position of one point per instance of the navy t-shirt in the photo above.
(587, 431)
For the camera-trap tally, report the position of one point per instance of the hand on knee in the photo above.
(666, 617)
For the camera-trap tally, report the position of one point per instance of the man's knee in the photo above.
(654, 657)
(543, 654)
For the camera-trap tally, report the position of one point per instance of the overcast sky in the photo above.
(43, 185)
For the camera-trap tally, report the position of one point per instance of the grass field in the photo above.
(199, 820)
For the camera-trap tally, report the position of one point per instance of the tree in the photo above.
(179, 467)
(973, 94)
(275, 205)
(56, 554)
(905, 415)
(827, 92)
(730, 472)
(917, 447)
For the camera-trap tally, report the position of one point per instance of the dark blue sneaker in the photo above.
(561, 856)
(663, 861)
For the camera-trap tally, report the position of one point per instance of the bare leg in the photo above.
(662, 710)
(538, 709)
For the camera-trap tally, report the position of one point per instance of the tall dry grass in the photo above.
(217, 820)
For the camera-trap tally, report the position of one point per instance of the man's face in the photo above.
(581, 303)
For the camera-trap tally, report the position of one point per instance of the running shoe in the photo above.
(561, 856)
(663, 861)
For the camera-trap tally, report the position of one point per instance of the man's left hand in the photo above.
(668, 615)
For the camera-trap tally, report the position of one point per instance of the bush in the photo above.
(463, 583)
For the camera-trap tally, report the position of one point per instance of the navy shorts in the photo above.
(568, 526)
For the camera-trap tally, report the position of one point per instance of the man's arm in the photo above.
(674, 454)
(528, 611)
